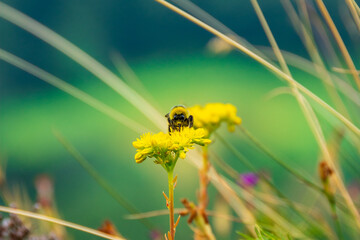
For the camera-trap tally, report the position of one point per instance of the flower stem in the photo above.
(296, 174)
(204, 181)
(335, 216)
(263, 177)
(202, 219)
(171, 204)
(205, 229)
(332, 202)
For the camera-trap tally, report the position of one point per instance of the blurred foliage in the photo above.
(167, 54)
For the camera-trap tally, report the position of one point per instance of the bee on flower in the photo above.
(166, 148)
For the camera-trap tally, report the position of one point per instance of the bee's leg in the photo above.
(186, 123)
(191, 121)
(170, 125)
(176, 127)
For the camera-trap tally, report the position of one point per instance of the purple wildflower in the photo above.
(155, 235)
(248, 179)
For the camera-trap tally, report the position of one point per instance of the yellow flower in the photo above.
(167, 148)
(185, 140)
(212, 115)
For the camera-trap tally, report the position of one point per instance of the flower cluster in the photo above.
(167, 148)
(212, 115)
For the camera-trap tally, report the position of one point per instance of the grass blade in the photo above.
(268, 65)
(339, 41)
(305, 34)
(309, 114)
(73, 91)
(99, 179)
(14, 16)
(206, 17)
(354, 13)
(309, 67)
(58, 221)
(262, 207)
(130, 77)
(286, 201)
(270, 37)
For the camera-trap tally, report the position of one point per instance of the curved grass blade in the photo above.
(162, 212)
(354, 13)
(309, 113)
(264, 178)
(100, 71)
(270, 37)
(246, 216)
(206, 17)
(262, 207)
(311, 47)
(71, 90)
(99, 179)
(65, 46)
(281, 197)
(309, 67)
(59, 221)
(297, 175)
(272, 156)
(130, 76)
(268, 65)
(342, 70)
(339, 41)
(357, 8)
(307, 110)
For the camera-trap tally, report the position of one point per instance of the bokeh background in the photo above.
(169, 56)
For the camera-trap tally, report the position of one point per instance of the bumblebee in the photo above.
(179, 117)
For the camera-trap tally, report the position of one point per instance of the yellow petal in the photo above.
(182, 155)
(139, 158)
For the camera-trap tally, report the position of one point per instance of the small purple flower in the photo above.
(248, 179)
(155, 235)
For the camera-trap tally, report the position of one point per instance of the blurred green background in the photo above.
(168, 54)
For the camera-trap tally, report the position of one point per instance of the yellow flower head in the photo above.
(212, 115)
(167, 148)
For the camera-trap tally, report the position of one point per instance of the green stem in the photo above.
(288, 168)
(204, 227)
(336, 220)
(263, 177)
(100, 180)
(332, 202)
(278, 161)
(171, 203)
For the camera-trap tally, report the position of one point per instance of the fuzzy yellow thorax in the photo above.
(179, 110)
